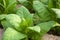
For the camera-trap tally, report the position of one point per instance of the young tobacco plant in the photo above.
(20, 24)
(45, 10)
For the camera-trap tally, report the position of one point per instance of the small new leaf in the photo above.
(35, 28)
(57, 11)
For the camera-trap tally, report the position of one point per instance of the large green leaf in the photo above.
(59, 1)
(9, 2)
(11, 34)
(10, 5)
(2, 16)
(0, 1)
(25, 15)
(14, 20)
(46, 26)
(40, 29)
(52, 3)
(57, 11)
(41, 10)
(36, 19)
(5, 24)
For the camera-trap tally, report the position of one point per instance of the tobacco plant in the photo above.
(22, 24)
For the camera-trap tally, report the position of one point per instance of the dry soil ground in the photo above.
(51, 37)
(1, 32)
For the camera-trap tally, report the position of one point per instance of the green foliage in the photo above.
(7, 6)
(25, 15)
(45, 1)
(11, 34)
(36, 28)
(22, 24)
(52, 4)
(41, 10)
(14, 20)
(46, 26)
(57, 11)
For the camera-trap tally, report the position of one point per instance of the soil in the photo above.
(45, 37)
(51, 37)
(1, 32)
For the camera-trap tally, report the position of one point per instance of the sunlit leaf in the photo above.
(2, 16)
(57, 11)
(12, 34)
(35, 28)
(14, 20)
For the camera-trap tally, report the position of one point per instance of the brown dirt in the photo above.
(51, 37)
(1, 32)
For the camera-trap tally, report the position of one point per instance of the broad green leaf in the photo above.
(2, 16)
(36, 19)
(14, 20)
(46, 26)
(25, 15)
(57, 11)
(57, 24)
(11, 34)
(59, 1)
(10, 2)
(52, 3)
(41, 10)
(35, 28)
(10, 5)
(44, 1)
(5, 24)
(0, 1)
